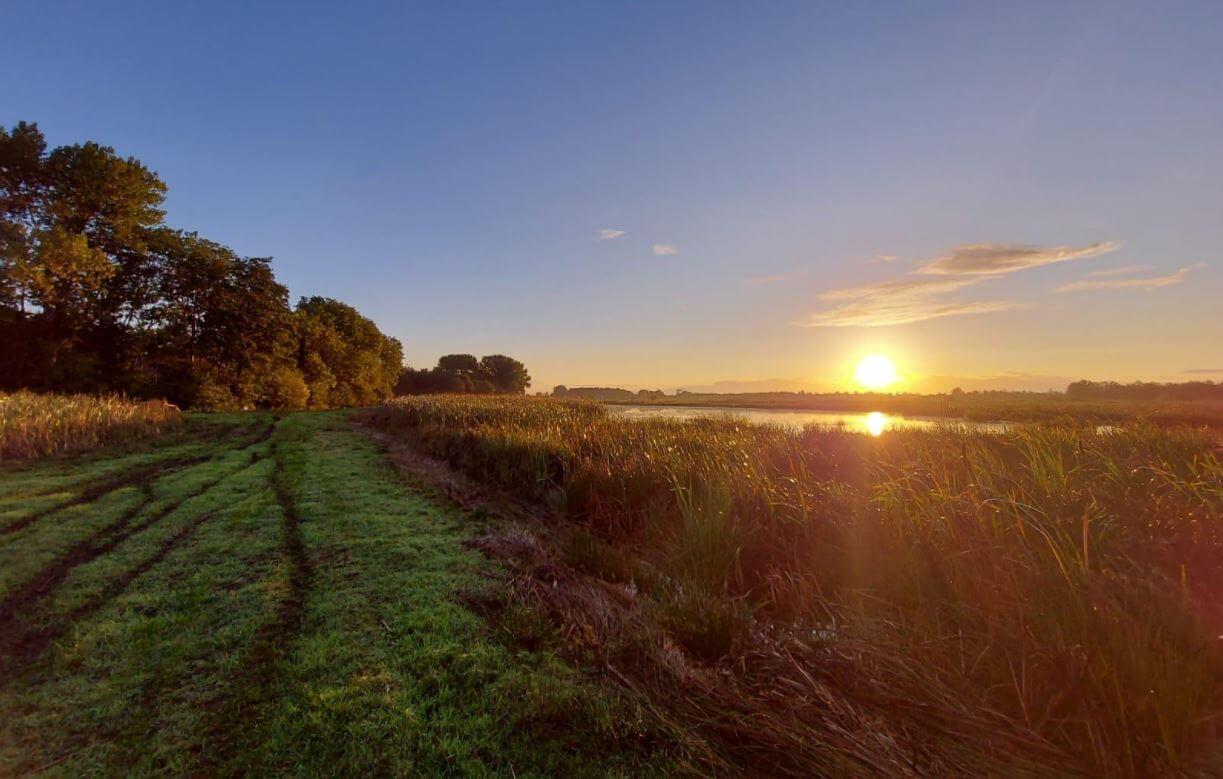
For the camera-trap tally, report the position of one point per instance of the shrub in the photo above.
(286, 390)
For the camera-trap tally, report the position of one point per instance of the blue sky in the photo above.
(448, 167)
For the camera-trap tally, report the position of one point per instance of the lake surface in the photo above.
(872, 423)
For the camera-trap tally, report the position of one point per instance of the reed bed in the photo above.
(34, 425)
(1041, 600)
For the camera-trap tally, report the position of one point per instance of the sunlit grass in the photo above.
(33, 425)
(1057, 586)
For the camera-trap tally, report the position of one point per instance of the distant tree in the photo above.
(560, 390)
(601, 393)
(463, 373)
(505, 374)
(462, 364)
(1186, 392)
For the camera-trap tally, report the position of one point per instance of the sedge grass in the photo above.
(34, 425)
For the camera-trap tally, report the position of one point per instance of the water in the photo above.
(873, 423)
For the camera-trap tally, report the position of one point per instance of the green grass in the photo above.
(1042, 600)
(270, 599)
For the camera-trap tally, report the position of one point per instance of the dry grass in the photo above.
(928, 601)
(33, 425)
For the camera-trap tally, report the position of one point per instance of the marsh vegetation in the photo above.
(1040, 600)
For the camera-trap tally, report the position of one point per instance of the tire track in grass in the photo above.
(27, 603)
(140, 476)
(270, 643)
(137, 477)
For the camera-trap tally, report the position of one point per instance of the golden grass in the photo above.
(1053, 591)
(33, 425)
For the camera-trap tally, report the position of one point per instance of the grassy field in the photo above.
(33, 425)
(1040, 602)
(254, 594)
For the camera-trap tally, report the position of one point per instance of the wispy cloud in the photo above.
(929, 292)
(900, 302)
(994, 259)
(610, 235)
(876, 314)
(665, 249)
(1121, 271)
(1147, 282)
(884, 258)
(1202, 371)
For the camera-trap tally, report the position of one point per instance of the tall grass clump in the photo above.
(34, 425)
(1052, 592)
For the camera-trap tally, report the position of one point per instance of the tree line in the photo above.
(493, 373)
(98, 294)
(1185, 391)
(606, 393)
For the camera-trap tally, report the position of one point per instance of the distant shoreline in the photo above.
(999, 407)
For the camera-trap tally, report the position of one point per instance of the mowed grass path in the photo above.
(266, 595)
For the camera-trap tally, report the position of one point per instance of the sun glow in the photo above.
(875, 371)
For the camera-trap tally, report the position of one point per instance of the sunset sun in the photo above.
(875, 371)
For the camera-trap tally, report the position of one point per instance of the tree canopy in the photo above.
(493, 373)
(98, 294)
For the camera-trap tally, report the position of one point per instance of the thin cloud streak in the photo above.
(1151, 282)
(1122, 271)
(899, 302)
(610, 235)
(664, 249)
(926, 292)
(996, 259)
(875, 314)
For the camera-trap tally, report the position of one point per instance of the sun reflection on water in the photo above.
(876, 422)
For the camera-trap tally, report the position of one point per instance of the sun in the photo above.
(875, 371)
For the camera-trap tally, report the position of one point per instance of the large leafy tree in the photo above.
(96, 293)
(221, 324)
(346, 359)
(73, 227)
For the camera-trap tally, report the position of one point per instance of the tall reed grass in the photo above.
(33, 425)
(1052, 590)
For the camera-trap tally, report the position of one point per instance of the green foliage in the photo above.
(344, 357)
(98, 295)
(505, 374)
(463, 373)
(462, 364)
(285, 389)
